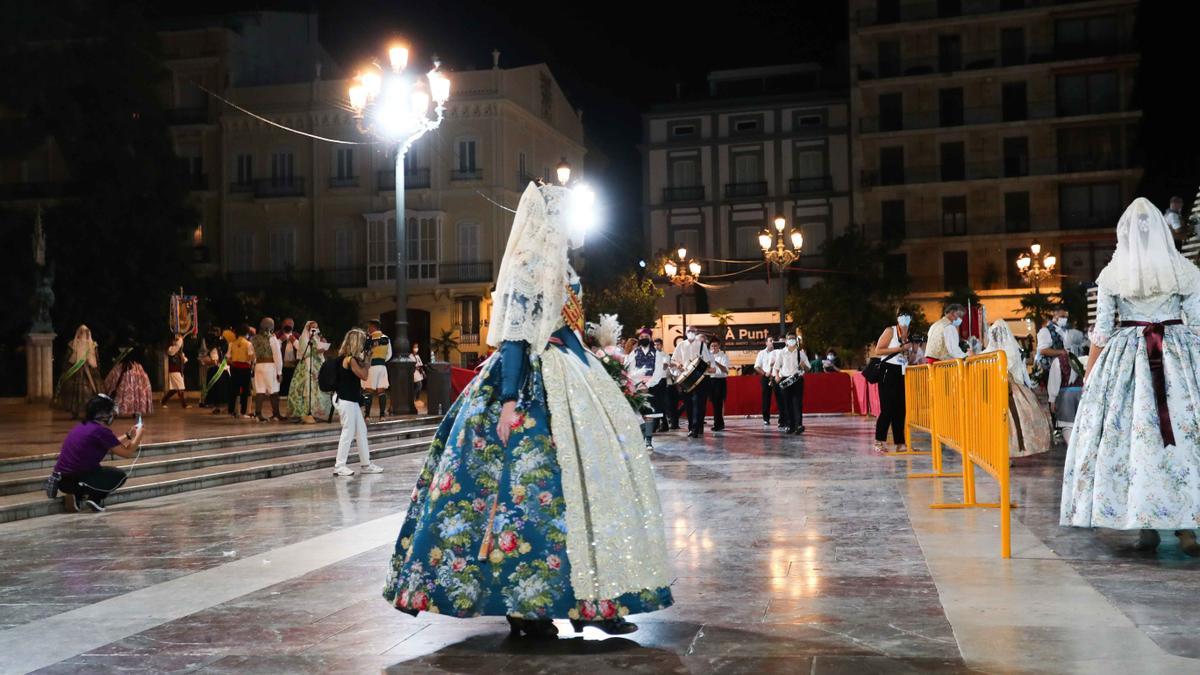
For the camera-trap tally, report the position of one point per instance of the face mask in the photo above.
(903, 320)
(691, 336)
(791, 342)
(829, 356)
(1061, 322)
(643, 343)
(958, 322)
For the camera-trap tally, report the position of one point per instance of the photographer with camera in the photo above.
(353, 358)
(78, 472)
(897, 349)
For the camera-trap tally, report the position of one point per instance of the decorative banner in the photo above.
(184, 315)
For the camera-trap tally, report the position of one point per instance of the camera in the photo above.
(918, 338)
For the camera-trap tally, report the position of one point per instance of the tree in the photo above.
(723, 316)
(848, 308)
(963, 295)
(1073, 298)
(1038, 307)
(445, 344)
(633, 300)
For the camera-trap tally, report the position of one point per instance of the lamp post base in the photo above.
(400, 374)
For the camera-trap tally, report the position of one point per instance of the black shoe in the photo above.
(720, 428)
(51, 484)
(532, 628)
(798, 430)
(610, 626)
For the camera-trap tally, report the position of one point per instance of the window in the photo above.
(245, 169)
(522, 167)
(816, 233)
(889, 58)
(1012, 46)
(343, 249)
(954, 161)
(466, 156)
(805, 121)
(1089, 206)
(1087, 94)
(1016, 212)
(468, 242)
(689, 239)
(422, 248)
(1085, 36)
(949, 53)
(685, 171)
(746, 126)
(892, 215)
(745, 242)
(683, 130)
(950, 107)
(891, 112)
(891, 166)
(1016, 157)
(746, 167)
(282, 167)
(1083, 261)
(954, 270)
(381, 250)
(895, 266)
(468, 320)
(810, 162)
(1014, 104)
(345, 161)
(281, 250)
(954, 216)
(241, 255)
(1089, 149)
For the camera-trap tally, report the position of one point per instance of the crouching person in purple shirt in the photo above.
(78, 472)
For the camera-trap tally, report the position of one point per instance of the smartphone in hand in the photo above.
(138, 425)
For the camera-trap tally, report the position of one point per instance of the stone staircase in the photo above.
(182, 466)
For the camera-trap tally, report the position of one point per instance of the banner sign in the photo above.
(184, 317)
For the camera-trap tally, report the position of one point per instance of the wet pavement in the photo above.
(791, 554)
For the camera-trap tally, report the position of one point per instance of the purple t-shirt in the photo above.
(85, 447)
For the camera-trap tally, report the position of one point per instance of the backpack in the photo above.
(327, 377)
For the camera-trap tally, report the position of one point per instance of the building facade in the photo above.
(983, 125)
(717, 171)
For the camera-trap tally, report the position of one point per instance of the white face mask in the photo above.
(791, 342)
(903, 320)
(1061, 322)
(958, 322)
(691, 336)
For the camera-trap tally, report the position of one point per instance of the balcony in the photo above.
(465, 273)
(184, 116)
(807, 186)
(935, 119)
(694, 193)
(343, 181)
(239, 187)
(286, 186)
(466, 174)
(349, 277)
(469, 338)
(417, 179)
(924, 11)
(913, 66)
(1005, 167)
(738, 190)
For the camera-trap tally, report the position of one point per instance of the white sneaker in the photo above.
(343, 471)
(370, 468)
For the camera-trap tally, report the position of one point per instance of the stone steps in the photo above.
(195, 465)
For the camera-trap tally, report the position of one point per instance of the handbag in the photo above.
(873, 372)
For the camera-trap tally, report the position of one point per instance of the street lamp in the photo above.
(394, 105)
(563, 172)
(778, 254)
(1036, 266)
(683, 273)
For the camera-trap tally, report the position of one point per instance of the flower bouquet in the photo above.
(606, 334)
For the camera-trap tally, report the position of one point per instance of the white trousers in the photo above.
(354, 428)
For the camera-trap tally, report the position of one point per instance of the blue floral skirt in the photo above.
(486, 532)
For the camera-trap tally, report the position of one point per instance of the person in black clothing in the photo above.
(896, 351)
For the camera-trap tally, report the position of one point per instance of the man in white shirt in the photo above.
(1174, 215)
(648, 365)
(943, 335)
(696, 401)
(718, 372)
(789, 361)
(762, 366)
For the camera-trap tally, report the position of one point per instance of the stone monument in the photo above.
(39, 344)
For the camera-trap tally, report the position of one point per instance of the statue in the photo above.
(43, 293)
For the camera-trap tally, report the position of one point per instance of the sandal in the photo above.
(880, 448)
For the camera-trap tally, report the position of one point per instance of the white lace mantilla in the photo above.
(615, 537)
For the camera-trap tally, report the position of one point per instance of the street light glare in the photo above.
(371, 81)
(439, 87)
(764, 240)
(398, 55)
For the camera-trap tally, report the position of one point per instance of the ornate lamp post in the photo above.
(394, 105)
(1036, 266)
(683, 273)
(778, 254)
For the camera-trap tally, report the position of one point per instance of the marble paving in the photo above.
(792, 555)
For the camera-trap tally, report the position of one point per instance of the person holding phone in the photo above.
(78, 472)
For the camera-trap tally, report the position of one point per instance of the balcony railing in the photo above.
(288, 186)
(1005, 167)
(343, 181)
(934, 119)
(801, 186)
(911, 66)
(413, 180)
(923, 11)
(693, 193)
(464, 273)
(469, 339)
(466, 174)
(349, 277)
(182, 116)
(734, 190)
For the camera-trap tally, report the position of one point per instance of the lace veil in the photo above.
(1146, 262)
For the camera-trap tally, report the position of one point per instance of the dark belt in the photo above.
(1154, 331)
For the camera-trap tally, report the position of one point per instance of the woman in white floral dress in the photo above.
(1133, 462)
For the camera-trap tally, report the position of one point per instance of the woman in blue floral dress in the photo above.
(1133, 462)
(537, 500)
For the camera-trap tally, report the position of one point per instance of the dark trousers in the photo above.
(793, 403)
(658, 399)
(717, 390)
(285, 384)
(96, 484)
(891, 404)
(218, 393)
(240, 388)
(767, 390)
(675, 405)
(698, 407)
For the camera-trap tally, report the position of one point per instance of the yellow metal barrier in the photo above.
(918, 398)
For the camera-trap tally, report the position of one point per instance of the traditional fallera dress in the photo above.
(81, 380)
(1028, 423)
(564, 520)
(305, 398)
(129, 385)
(1133, 461)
